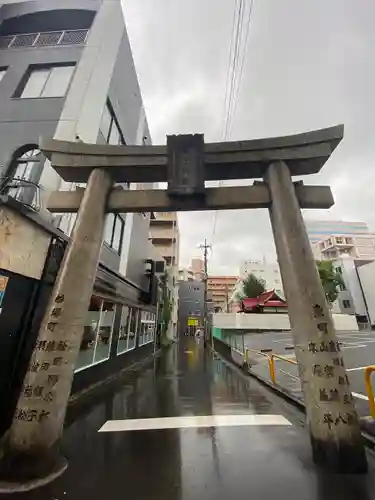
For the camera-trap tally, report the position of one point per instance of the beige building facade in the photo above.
(361, 246)
(165, 237)
(220, 289)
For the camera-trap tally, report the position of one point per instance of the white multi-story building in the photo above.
(185, 274)
(320, 229)
(357, 296)
(351, 248)
(268, 272)
(361, 246)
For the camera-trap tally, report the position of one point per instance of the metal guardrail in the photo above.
(235, 344)
(368, 371)
(370, 392)
(271, 363)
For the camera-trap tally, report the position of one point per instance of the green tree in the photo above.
(331, 280)
(251, 287)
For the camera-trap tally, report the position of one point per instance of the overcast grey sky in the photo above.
(310, 64)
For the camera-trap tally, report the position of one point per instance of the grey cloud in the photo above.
(309, 65)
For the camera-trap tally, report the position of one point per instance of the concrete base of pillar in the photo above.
(341, 457)
(21, 472)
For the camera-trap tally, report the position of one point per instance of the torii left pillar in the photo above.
(39, 418)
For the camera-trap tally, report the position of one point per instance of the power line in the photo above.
(246, 46)
(237, 22)
(237, 45)
(228, 69)
(237, 56)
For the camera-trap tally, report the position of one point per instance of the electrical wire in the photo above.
(245, 47)
(237, 57)
(229, 66)
(237, 46)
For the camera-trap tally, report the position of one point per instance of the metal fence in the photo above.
(50, 38)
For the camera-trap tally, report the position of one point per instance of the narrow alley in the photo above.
(189, 426)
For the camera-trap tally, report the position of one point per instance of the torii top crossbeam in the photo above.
(304, 154)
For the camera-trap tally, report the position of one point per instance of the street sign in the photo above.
(193, 322)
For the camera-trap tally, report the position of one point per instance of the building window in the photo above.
(339, 241)
(23, 169)
(110, 128)
(339, 269)
(147, 327)
(114, 231)
(46, 82)
(97, 334)
(346, 304)
(128, 330)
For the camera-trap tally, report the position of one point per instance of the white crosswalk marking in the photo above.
(192, 422)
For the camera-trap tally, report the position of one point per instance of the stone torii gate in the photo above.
(186, 163)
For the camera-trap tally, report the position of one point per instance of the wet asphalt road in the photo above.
(358, 349)
(219, 461)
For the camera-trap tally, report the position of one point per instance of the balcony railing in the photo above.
(26, 192)
(50, 38)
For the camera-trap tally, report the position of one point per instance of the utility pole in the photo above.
(205, 248)
(227, 297)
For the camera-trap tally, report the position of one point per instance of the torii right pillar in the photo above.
(331, 415)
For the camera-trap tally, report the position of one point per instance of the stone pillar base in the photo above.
(20, 472)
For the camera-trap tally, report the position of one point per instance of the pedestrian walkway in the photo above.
(191, 427)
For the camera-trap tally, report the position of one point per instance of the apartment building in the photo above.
(67, 72)
(197, 266)
(269, 272)
(185, 274)
(190, 306)
(361, 247)
(220, 289)
(321, 229)
(165, 236)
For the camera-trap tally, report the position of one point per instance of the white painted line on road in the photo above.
(355, 369)
(354, 337)
(353, 346)
(284, 340)
(359, 395)
(192, 422)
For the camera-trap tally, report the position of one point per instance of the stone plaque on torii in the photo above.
(185, 164)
